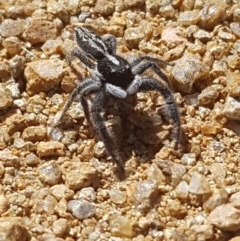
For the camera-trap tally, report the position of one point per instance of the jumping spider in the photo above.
(117, 78)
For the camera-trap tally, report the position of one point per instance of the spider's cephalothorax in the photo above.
(115, 77)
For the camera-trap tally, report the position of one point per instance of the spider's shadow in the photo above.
(131, 133)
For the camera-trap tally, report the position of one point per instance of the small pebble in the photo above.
(117, 196)
(50, 148)
(81, 209)
(50, 173)
(198, 184)
(120, 226)
(6, 97)
(60, 227)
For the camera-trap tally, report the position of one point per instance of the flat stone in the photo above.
(79, 174)
(40, 30)
(225, 217)
(43, 75)
(187, 70)
(104, 7)
(50, 148)
(34, 133)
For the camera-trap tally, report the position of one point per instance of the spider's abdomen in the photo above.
(115, 70)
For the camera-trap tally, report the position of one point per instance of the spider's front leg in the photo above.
(111, 44)
(145, 62)
(98, 105)
(88, 86)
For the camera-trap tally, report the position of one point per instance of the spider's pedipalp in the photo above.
(170, 110)
(85, 59)
(111, 44)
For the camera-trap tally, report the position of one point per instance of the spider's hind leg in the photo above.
(98, 105)
(170, 110)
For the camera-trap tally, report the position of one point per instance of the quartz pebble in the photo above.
(145, 194)
(154, 173)
(233, 84)
(87, 194)
(198, 184)
(210, 94)
(104, 7)
(182, 190)
(117, 196)
(188, 18)
(50, 173)
(189, 159)
(60, 190)
(49, 204)
(12, 45)
(232, 108)
(4, 138)
(81, 209)
(52, 46)
(212, 13)
(201, 232)
(133, 36)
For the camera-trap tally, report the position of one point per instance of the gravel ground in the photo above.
(67, 189)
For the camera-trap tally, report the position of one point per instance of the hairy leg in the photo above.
(145, 62)
(88, 86)
(111, 43)
(97, 109)
(170, 110)
(85, 58)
